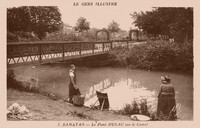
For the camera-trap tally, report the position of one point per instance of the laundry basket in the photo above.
(78, 100)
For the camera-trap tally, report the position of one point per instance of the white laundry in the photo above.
(18, 112)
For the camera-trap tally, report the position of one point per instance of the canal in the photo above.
(123, 86)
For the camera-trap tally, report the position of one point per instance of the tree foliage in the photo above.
(35, 19)
(175, 23)
(82, 25)
(113, 27)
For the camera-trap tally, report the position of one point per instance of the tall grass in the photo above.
(135, 108)
(141, 108)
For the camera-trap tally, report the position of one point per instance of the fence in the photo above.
(44, 52)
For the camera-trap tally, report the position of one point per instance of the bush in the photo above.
(12, 37)
(120, 54)
(142, 109)
(71, 35)
(184, 61)
(60, 36)
(135, 108)
(157, 55)
(20, 37)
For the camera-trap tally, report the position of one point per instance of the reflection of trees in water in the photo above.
(101, 86)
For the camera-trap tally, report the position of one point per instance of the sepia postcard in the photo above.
(99, 63)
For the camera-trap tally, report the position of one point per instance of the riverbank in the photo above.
(43, 108)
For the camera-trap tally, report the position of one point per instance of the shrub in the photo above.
(20, 37)
(184, 60)
(135, 108)
(142, 109)
(120, 54)
(12, 37)
(157, 55)
(127, 109)
(60, 36)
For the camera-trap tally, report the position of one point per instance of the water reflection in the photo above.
(122, 86)
(121, 92)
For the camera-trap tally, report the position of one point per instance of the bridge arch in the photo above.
(103, 30)
(133, 31)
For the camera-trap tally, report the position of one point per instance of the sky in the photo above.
(101, 17)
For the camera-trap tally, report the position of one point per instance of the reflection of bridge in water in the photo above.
(121, 92)
(21, 54)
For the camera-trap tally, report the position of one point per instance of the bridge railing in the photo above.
(45, 52)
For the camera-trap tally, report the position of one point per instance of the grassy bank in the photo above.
(157, 56)
(43, 109)
(23, 88)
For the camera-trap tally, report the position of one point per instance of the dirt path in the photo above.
(43, 108)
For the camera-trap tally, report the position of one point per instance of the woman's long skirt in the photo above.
(167, 106)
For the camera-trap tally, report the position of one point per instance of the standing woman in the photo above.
(166, 99)
(72, 83)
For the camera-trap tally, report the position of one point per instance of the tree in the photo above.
(82, 25)
(175, 23)
(18, 19)
(113, 27)
(37, 19)
(148, 22)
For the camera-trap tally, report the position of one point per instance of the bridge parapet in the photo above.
(20, 54)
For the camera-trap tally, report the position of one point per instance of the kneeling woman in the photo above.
(166, 99)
